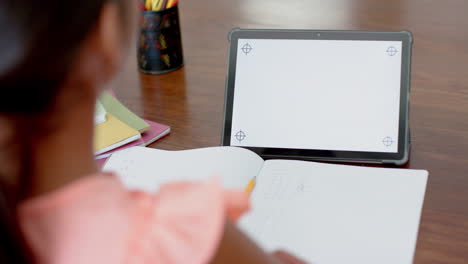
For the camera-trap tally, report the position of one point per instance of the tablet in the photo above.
(319, 95)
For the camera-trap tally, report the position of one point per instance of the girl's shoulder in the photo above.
(97, 220)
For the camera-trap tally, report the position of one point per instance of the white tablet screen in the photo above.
(339, 95)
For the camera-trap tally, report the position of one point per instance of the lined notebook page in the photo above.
(332, 214)
(146, 169)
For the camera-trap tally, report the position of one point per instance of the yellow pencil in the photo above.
(170, 3)
(155, 4)
(251, 185)
(159, 5)
(149, 5)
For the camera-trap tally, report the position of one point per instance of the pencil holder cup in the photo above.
(160, 42)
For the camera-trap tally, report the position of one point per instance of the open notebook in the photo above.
(326, 214)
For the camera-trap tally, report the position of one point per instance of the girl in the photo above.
(55, 206)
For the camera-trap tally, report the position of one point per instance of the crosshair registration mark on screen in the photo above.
(240, 136)
(247, 49)
(392, 51)
(388, 141)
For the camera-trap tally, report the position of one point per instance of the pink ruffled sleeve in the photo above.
(181, 223)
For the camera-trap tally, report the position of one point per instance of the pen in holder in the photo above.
(160, 42)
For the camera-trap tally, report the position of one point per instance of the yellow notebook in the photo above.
(112, 134)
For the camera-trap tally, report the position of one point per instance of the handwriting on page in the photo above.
(133, 175)
(124, 166)
(277, 188)
(280, 203)
(281, 187)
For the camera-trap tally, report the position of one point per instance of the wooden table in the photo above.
(191, 99)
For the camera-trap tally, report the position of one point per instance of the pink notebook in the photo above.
(155, 132)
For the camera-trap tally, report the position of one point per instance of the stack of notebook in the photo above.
(117, 128)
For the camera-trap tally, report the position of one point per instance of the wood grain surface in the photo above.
(190, 100)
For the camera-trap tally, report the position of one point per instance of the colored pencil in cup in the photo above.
(171, 3)
(164, 4)
(148, 5)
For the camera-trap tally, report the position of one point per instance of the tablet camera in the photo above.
(247, 49)
(388, 141)
(392, 51)
(240, 136)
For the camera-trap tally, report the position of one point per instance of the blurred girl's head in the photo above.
(53, 55)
